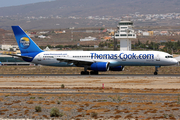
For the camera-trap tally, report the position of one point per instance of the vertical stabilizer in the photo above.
(25, 43)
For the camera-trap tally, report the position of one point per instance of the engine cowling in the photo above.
(118, 68)
(100, 66)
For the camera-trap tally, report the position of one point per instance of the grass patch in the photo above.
(62, 86)
(55, 113)
(116, 99)
(38, 109)
(102, 101)
(7, 95)
(178, 101)
(58, 102)
(40, 97)
(32, 97)
(94, 114)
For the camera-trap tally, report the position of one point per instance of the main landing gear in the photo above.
(89, 73)
(156, 70)
(94, 72)
(85, 72)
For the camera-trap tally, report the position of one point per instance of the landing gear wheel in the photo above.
(155, 73)
(84, 73)
(156, 70)
(94, 72)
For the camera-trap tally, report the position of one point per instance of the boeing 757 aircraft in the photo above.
(96, 61)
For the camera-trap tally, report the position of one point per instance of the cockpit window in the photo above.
(168, 56)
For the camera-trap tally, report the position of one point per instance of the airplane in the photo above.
(96, 61)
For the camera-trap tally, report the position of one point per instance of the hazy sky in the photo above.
(5, 3)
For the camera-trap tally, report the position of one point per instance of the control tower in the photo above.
(125, 34)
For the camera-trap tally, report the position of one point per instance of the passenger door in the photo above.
(157, 57)
(39, 57)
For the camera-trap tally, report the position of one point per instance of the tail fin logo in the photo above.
(24, 42)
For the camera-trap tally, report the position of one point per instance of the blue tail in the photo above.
(25, 43)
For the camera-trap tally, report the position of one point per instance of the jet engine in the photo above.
(100, 66)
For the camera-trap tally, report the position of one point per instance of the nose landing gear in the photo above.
(156, 70)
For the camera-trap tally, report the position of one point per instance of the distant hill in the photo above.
(92, 7)
(2, 31)
(84, 8)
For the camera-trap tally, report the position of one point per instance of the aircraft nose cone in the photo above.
(175, 62)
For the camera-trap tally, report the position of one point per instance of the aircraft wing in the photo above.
(75, 61)
(27, 57)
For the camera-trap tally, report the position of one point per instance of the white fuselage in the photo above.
(115, 58)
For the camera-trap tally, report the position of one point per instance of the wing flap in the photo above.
(76, 61)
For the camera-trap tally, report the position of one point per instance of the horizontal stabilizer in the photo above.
(26, 57)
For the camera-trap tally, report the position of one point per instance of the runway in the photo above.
(93, 93)
(100, 75)
(76, 84)
(130, 81)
